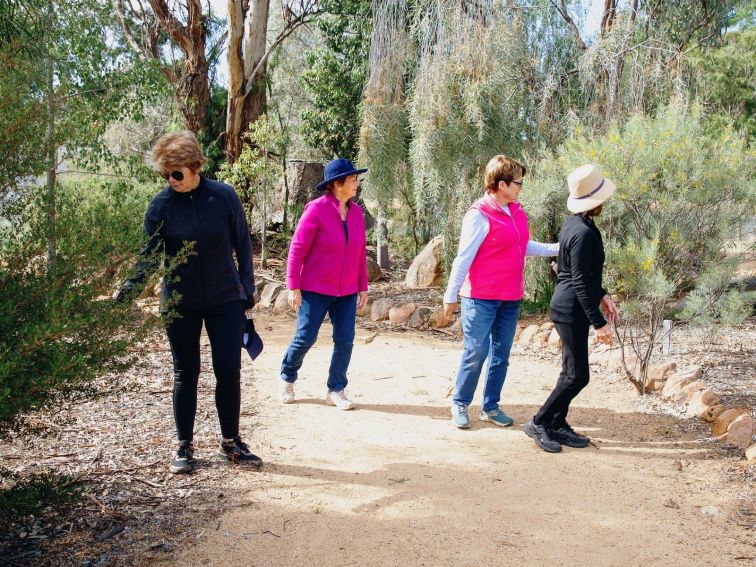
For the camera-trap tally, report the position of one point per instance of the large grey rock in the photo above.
(425, 270)
(380, 309)
(269, 293)
(420, 317)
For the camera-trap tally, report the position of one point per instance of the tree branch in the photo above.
(566, 16)
(304, 18)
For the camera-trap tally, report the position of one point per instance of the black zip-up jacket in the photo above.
(212, 218)
(579, 291)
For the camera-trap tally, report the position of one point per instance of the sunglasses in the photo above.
(177, 175)
(518, 183)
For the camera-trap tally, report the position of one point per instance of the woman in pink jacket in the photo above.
(327, 273)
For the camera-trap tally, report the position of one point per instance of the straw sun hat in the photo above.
(588, 189)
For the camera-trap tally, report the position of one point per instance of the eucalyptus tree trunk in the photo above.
(247, 66)
(190, 78)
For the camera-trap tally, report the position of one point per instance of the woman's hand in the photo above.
(450, 309)
(610, 309)
(295, 299)
(604, 334)
(361, 300)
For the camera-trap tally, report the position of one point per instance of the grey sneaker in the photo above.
(542, 437)
(459, 416)
(339, 399)
(182, 460)
(286, 392)
(497, 417)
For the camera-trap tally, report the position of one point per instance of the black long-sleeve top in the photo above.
(212, 218)
(579, 289)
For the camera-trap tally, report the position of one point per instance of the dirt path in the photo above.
(394, 483)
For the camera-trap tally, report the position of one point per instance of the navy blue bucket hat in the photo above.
(251, 341)
(337, 169)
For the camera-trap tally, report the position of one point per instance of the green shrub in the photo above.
(58, 329)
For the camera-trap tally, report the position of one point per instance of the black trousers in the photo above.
(224, 324)
(573, 378)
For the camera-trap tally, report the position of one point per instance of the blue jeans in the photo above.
(342, 311)
(489, 325)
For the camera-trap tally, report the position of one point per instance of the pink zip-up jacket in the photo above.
(321, 257)
(498, 270)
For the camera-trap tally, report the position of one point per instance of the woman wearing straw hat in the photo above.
(577, 303)
(327, 273)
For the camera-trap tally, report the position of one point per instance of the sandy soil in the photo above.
(395, 483)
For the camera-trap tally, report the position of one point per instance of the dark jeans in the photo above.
(573, 378)
(342, 311)
(224, 323)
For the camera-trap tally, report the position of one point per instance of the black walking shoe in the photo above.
(542, 437)
(183, 459)
(238, 452)
(565, 435)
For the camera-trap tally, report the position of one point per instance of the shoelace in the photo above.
(243, 447)
(184, 452)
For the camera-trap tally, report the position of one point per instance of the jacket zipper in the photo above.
(196, 248)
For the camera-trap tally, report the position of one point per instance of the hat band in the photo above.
(592, 193)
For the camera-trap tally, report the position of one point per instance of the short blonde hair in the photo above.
(502, 168)
(177, 150)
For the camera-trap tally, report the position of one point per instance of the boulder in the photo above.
(374, 270)
(540, 339)
(425, 270)
(712, 413)
(420, 317)
(269, 293)
(527, 334)
(701, 401)
(687, 391)
(365, 311)
(380, 309)
(456, 328)
(401, 313)
(750, 453)
(690, 373)
(281, 302)
(554, 340)
(740, 431)
(438, 320)
(724, 419)
(655, 385)
(660, 372)
(679, 380)
(259, 285)
(518, 331)
(547, 326)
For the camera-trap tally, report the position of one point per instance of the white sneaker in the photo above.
(339, 400)
(285, 392)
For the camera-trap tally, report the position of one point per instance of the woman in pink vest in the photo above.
(327, 273)
(489, 274)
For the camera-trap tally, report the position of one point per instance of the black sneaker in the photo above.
(237, 451)
(542, 437)
(183, 459)
(565, 435)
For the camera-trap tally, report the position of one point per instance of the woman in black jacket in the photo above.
(207, 286)
(577, 303)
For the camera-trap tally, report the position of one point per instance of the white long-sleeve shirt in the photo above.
(475, 227)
